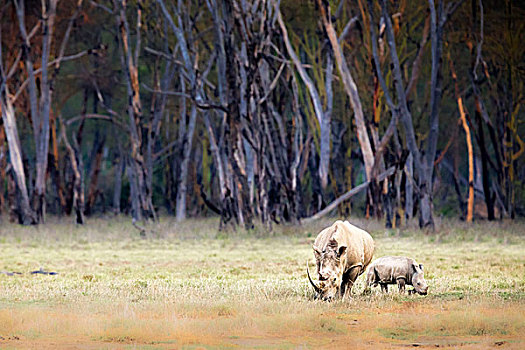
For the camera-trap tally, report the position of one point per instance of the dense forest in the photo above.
(262, 110)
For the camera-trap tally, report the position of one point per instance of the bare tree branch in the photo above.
(390, 171)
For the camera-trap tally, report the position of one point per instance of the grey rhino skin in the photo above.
(342, 252)
(397, 269)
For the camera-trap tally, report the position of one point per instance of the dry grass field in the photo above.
(189, 286)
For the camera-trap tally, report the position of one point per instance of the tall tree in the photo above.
(323, 115)
(40, 97)
(26, 214)
(423, 162)
(468, 139)
(190, 65)
(350, 89)
(138, 171)
(40, 107)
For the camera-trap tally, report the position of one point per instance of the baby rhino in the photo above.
(397, 269)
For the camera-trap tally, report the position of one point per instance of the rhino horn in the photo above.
(316, 288)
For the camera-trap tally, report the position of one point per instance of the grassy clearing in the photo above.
(190, 286)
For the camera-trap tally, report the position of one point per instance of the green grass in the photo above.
(187, 285)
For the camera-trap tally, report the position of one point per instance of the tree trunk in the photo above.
(380, 146)
(189, 66)
(424, 166)
(468, 139)
(119, 172)
(136, 210)
(454, 171)
(39, 109)
(351, 91)
(137, 167)
(470, 202)
(416, 65)
(409, 188)
(326, 125)
(489, 198)
(3, 166)
(45, 107)
(180, 211)
(216, 154)
(55, 169)
(426, 186)
(481, 113)
(186, 144)
(324, 119)
(26, 214)
(220, 27)
(77, 166)
(12, 201)
(94, 171)
(158, 106)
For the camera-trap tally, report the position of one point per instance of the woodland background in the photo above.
(262, 111)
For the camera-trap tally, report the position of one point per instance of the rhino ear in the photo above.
(341, 251)
(317, 251)
(418, 268)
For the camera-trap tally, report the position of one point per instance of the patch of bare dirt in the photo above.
(463, 343)
(55, 343)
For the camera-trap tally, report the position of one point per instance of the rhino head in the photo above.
(418, 279)
(330, 268)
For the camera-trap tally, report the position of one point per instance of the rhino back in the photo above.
(360, 245)
(369, 247)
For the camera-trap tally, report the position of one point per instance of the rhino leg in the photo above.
(344, 290)
(401, 285)
(370, 282)
(369, 278)
(348, 281)
(368, 287)
(346, 286)
(372, 278)
(384, 287)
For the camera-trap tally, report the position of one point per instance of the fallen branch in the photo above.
(347, 195)
(43, 272)
(9, 273)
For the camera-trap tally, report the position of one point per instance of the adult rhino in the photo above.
(342, 253)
